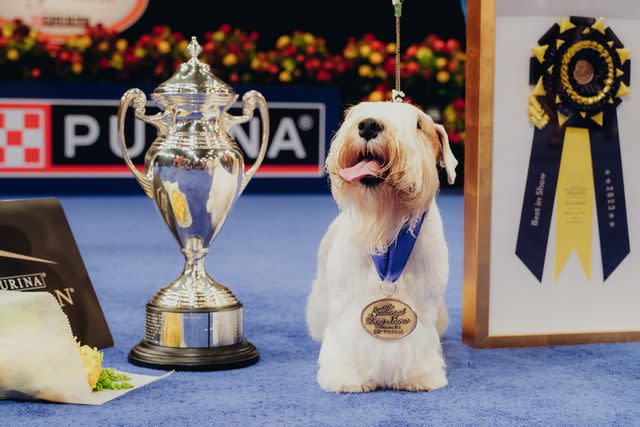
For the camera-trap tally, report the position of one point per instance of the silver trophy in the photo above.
(195, 172)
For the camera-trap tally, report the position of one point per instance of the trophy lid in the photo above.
(194, 86)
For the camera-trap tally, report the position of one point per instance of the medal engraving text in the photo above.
(388, 319)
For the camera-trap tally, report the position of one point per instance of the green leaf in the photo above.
(110, 380)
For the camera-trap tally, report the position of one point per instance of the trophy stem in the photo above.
(194, 269)
(194, 323)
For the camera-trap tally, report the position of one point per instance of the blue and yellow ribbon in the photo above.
(579, 71)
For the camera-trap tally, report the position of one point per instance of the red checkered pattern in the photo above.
(22, 137)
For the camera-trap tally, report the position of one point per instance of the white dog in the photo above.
(383, 169)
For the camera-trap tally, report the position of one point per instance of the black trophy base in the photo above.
(194, 359)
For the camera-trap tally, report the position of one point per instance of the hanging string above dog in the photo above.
(397, 95)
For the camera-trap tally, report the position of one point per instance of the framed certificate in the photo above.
(551, 178)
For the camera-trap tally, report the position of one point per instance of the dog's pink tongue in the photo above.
(362, 169)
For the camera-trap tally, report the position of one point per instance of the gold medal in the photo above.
(388, 319)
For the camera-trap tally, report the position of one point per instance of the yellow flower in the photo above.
(72, 42)
(13, 55)
(365, 50)
(350, 52)
(84, 42)
(103, 46)
(285, 76)
(381, 73)
(308, 38)
(255, 63)
(441, 62)
(283, 41)
(164, 47)
(442, 77)
(449, 115)
(376, 96)
(116, 61)
(391, 48)
(289, 64)
(7, 30)
(376, 58)
(218, 36)
(229, 60)
(121, 45)
(139, 52)
(76, 68)
(425, 53)
(365, 71)
(182, 46)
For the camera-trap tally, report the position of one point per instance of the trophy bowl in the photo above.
(194, 171)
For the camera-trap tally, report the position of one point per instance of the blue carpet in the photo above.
(266, 253)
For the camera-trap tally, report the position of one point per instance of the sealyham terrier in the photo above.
(377, 303)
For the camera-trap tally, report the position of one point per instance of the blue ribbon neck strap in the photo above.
(391, 264)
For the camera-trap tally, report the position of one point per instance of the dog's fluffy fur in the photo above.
(410, 146)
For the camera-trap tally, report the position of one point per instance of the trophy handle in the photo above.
(252, 100)
(139, 101)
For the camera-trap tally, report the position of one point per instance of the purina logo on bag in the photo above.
(26, 282)
(33, 281)
(79, 138)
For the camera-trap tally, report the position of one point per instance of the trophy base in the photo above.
(233, 356)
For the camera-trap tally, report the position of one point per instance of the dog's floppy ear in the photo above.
(447, 160)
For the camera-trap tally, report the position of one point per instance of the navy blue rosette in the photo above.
(579, 71)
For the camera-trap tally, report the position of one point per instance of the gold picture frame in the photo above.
(481, 21)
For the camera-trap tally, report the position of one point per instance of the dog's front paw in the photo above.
(424, 382)
(348, 388)
(343, 383)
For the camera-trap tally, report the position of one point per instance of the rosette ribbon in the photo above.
(580, 71)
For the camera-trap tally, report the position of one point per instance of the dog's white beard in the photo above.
(377, 217)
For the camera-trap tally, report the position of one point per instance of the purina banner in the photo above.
(72, 137)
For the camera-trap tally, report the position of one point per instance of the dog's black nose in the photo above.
(369, 128)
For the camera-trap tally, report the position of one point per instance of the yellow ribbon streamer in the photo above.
(574, 201)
